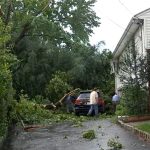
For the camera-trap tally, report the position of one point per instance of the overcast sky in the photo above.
(115, 16)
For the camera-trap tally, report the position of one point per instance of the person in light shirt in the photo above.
(115, 101)
(93, 102)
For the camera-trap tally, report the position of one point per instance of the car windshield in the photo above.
(84, 96)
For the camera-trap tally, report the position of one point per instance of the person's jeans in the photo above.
(114, 104)
(93, 107)
(70, 108)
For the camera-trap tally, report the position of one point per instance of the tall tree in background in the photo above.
(49, 36)
(133, 74)
(92, 68)
(44, 34)
(6, 90)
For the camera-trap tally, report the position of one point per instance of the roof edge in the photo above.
(140, 13)
(123, 35)
(134, 19)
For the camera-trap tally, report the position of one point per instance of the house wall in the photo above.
(146, 28)
(147, 33)
(139, 41)
(139, 46)
(141, 37)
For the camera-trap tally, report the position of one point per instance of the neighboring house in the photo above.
(138, 30)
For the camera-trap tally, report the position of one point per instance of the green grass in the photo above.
(144, 127)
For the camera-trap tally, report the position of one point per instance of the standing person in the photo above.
(93, 102)
(69, 103)
(115, 101)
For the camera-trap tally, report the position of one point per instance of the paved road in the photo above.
(67, 137)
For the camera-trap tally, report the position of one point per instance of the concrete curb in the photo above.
(140, 133)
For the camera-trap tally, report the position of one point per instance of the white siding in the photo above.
(142, 40)
(118, 84)
(139, 41)
(147, 33)
(144, 14)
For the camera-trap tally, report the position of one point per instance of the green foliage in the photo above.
(107, 99)
(47, 36)
(134, 101)
(133, 67)
(53, 35)
(6, 90)
(90, 134)
(33, 113)
(114, 144)
(39, 99)
(144, 127)
(44, 36)
(121, 109)
(92, 69)
(57, 86)
(133, 75)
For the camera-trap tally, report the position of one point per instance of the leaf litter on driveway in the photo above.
(65, 136)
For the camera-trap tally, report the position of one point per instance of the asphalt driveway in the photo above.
(65, 136)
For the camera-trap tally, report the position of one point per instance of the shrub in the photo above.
(134, 101)
(90, 134)
(57, 86)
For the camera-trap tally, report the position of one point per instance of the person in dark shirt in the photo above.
(69, 103)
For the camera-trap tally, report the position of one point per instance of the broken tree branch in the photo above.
(27, 25)
(60, 102)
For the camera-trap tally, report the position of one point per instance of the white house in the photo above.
(137, 29)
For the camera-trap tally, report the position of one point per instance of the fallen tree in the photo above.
(50, 106)
(60, 102)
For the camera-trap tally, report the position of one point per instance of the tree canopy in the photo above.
(46, 37)
(45, 50)
(49, 36)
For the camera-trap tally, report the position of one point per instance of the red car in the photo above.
(82, 103)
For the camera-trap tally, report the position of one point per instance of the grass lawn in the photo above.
(144, 127)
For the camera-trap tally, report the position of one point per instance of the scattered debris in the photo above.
(114, 144)
(90, 134)
(65, 137)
